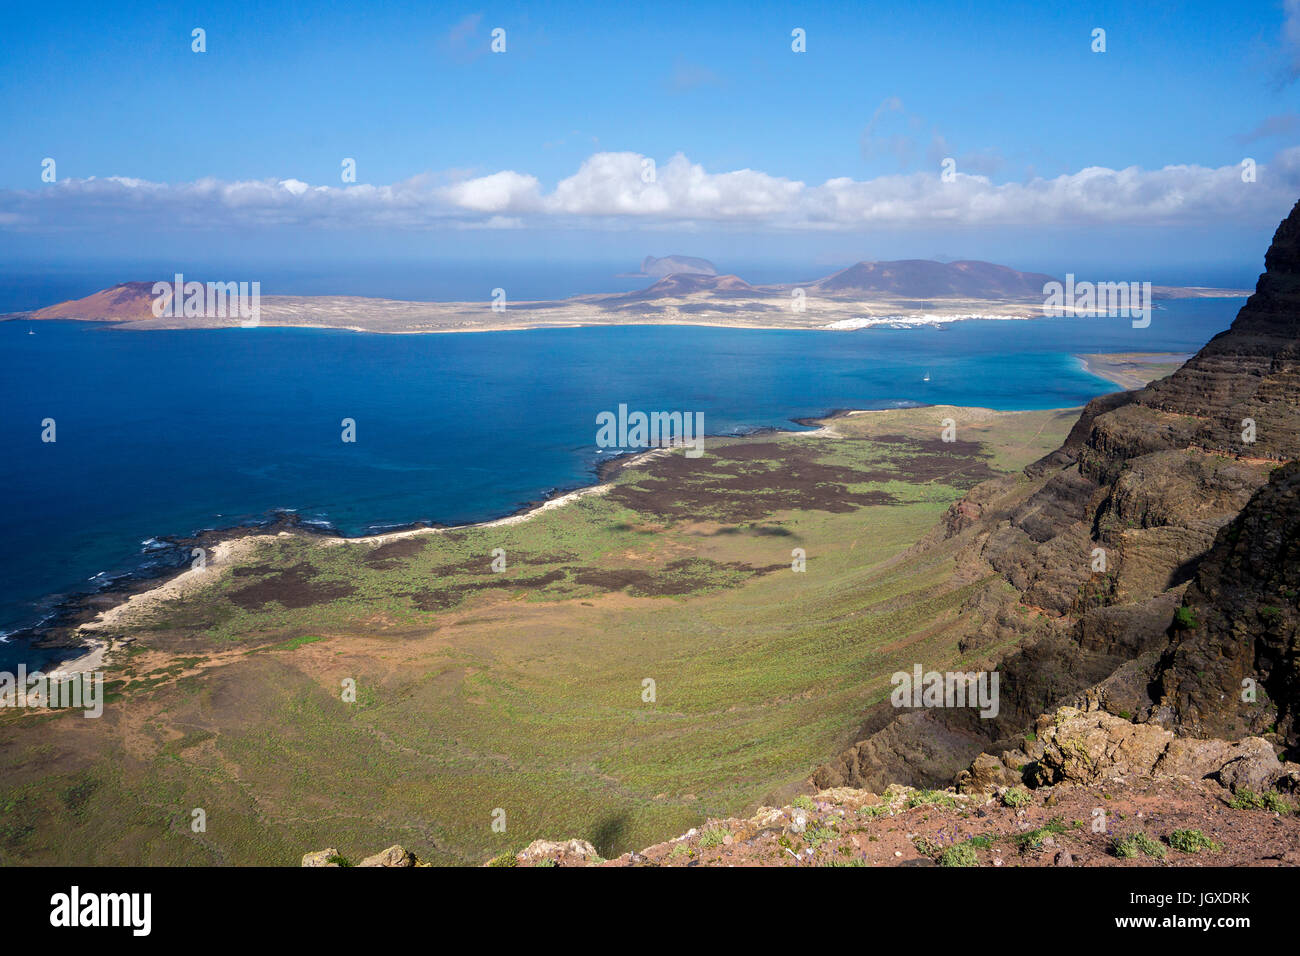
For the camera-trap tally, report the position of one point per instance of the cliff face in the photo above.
(1099, 540)
(1233, 667)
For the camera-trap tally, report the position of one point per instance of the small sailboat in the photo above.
(927, 377)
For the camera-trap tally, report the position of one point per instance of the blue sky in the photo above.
(830, 155)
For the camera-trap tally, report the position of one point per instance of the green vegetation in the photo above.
(296, 642)
(715, 836)
(1130, 846)
(1191, 841)
(1015, 797)
(1185, 619)
(803, 802)
(504, 859)
(818, 834)
(927, 847)
(1035, 839)
(937, 798)
(963, 854)
(478, 690)
(1246, 799)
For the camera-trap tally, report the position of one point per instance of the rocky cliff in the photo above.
(1159, 498)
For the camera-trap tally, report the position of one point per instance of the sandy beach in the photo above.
(1130, 370)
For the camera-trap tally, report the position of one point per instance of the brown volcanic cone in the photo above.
(127, 302)
(687, 283)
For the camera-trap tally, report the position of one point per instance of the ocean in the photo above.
(164, 434)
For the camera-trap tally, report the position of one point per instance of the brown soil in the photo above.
(751, 480)
(294, 587)
(918, 836)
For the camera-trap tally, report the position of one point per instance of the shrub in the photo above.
(926, 847)
(963, 854)
(1130, 846)
(1245, 799)
(1278, 803)
(938, 798)
(817, 835)
(1033, 840)
(1015, 797)
(1185, 619)
(1191, 841)
(803, 802)
(713, 837)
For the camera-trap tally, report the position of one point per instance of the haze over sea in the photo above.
(164, 434)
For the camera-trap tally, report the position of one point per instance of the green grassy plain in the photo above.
(524, 690)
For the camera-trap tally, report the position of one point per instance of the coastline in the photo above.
(762, 308)
(87, 619)
(928, 320)
(82, 621)
(1130, 370)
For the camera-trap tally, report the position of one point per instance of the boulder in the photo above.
(1094, 746)
(559, 851)
(395, 855)
(986, 775)
(324, 857)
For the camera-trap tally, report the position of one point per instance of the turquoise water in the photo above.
(164, 434)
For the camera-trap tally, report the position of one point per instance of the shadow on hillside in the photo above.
(611, 835)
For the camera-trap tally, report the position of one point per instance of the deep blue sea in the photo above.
(164, 434)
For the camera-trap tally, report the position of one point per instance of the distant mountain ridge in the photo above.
(688, 283)
(926, 278)
(668, 265)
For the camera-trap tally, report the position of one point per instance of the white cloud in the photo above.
(500, 192)
(615, 189)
